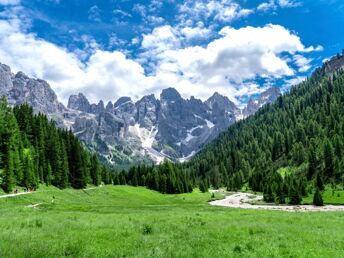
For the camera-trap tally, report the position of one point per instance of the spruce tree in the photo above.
(328, 159)
(319, 184)
(317, 198)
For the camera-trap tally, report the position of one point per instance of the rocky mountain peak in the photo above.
(6, 83)
(109, 107)
(221, 102)
(170, 94)
(121, 101)
(79, 102)
(5, 68)
(22, 75)
(268, 96)
(330, 66)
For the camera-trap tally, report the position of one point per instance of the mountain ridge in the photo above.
(126, 131)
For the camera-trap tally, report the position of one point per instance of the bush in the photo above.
(294, 197)
(147, 229)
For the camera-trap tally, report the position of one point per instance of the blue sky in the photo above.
(111, 48)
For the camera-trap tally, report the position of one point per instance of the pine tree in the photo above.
(8, 181)
(312, 162)
(319, 182)
(95, 171)
(317, 198)
(328, 159)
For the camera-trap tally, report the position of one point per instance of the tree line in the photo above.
(287, 150)
(34, 151)
(292, 147)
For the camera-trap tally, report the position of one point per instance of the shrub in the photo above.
(147, 229)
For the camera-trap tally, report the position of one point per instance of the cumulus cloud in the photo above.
(266, 6)
(303, 63)
(272, 5)
(224, 10)
(229, 64)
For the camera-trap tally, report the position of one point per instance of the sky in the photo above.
(112, 48)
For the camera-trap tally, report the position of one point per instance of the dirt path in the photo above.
(33, 205)
(13, 195)
(246, 200)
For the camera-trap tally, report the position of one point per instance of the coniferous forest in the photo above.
(287, 149)
(33, 151)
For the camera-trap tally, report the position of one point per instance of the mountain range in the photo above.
(126, 131)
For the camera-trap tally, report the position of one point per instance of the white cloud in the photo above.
(161, 39)
(267, 6)
(303, 63)
(94, 14)
(228, 64)
(9, 2)
(292, 82)
(224, 11)
(272, 5)
(289, 3)
(195, 32)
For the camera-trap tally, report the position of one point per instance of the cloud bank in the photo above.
(229, 64)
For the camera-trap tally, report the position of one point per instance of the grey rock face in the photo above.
(147, 130)
(268, 96)
(334, 64)
(79, 102)
(5, 80)
(20, 89)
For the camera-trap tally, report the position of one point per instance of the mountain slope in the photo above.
(126, 132)
(302, 135)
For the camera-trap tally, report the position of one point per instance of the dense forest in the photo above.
(287, 150)
(33, 151)
(165, 178)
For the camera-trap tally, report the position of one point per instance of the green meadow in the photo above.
(123, 221)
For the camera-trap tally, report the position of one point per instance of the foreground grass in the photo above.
(122, 221)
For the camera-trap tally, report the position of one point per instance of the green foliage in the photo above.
(147, 229)
(303, 131)
(165, 178)
(317, 198)
(33, 151)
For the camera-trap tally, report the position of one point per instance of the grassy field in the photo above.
(122, 221)
(335, 197)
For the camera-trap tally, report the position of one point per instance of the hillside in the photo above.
(298, 139)
(123, 221)
(34, 151)
(286, 150)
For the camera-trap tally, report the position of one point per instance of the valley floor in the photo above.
(123, 221)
